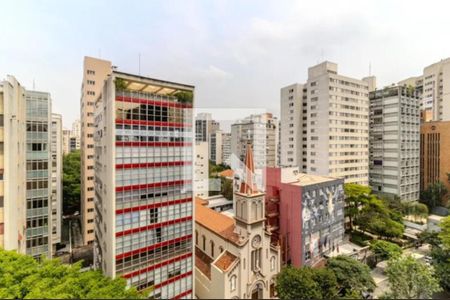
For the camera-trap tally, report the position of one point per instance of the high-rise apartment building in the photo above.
(143, 184)
(66, 141)
(226, 147)
(38, 174)
(394, 142)
(95, 72)
(434, 84)
(201, 170)
(215, 147)
(205, 126)
(324, 124)
(13, 204)
(434, 156)
(57, 173)
(259, 131)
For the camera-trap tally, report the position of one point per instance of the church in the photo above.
(234, 257)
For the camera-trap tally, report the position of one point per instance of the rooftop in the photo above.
(293, 176)
(203, 262)
(216, 222)
(225, 260)
(226, 173)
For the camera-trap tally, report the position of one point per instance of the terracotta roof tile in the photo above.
(216, 222)
(203, 262)
(226, 173)
(225, 260)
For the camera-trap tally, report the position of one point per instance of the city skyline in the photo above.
(261, 43)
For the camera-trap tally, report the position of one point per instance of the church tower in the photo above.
(250, 206)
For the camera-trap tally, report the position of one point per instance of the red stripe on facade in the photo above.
(182, 294)
(173, 279)
(153, 102)
(154, 246)
(153, 123)
(153, 164)
(152, 226)
(156, 266)
(153, 144)
(151, 185)
(154, 205)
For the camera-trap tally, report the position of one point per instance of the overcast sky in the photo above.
(237, 53)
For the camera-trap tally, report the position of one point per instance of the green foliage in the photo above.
(431, 238)
(434, 195)
(416, 209)
(120, 84)
(411, 279)
(22, 276)
(353, 277)
(355, 197)
(306, 283)
(444, 235)
(216, 169)
(227, 188)
(184, 97)
(71, 182)
(359, 238)
(384, 250)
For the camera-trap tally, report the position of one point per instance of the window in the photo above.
(212, 249)
(90, 221)
(233, 283)
(204, 242)
(272, 263)
(196, 237)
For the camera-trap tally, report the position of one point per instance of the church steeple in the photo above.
(247, 185)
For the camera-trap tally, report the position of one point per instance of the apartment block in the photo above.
(226, 148)
(13, 164)
(38, 174)
(434, 83)
(394, 154)
(260, 132)
(57, 174)
(201, 170)
(434, 158)
(324, 124)
(304, 215)
(215, 147)
(95, 72)
(143, 184)
(205, 126)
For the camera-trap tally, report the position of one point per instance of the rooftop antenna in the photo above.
(139, 64)
(34, 85)
(370, 69)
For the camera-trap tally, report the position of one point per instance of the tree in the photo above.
(292, 283)
(227, 188)
(384, 250)
(355, 197)
(441, 263)
(434, 194)
(411, 279)
(71, 182)
(306, 283)
(444, 235)
(22, 276)
(353, 277)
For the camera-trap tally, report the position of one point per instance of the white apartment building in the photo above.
(57, 173)
(226, 148)
(434, 88)
(201, 170)
(259, 131)
(205, 126)
(143, 184)
(215, 147)
(324, 124)
(394, 142)
(95, 72)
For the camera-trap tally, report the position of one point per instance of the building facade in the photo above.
(234, 257)
(204, 127)
(305, 214)
(394, 154)
(57, 174)
(325, 124)
(226, 148)
(201, 170)
(95, 72)
(143, 184)
(13, 164)
(215, 147)
(259, 131)
(39, 174)
(434, 158)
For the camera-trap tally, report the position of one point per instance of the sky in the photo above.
(238, 54)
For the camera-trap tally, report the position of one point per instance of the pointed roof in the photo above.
(247, 185)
